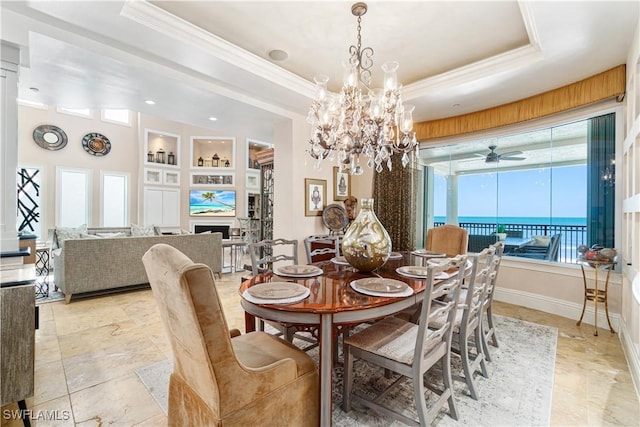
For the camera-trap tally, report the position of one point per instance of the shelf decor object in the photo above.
(50, 137)
(160, 156)
(215, 160)
(171, 158)
(150, 157)
(361, 119)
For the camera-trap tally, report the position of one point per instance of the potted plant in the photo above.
(501, 232)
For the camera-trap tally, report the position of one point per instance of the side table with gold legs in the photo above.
(595, 293)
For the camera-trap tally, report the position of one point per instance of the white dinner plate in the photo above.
(416, 271)
(277, 290)
(299, 270)
(381, 287)
(428, 254)
(339, 260)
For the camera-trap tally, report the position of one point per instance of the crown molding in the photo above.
(172, 26)
(497, 64)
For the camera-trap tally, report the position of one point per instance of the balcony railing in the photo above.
(571, 236)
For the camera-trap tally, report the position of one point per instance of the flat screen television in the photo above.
(212, 203)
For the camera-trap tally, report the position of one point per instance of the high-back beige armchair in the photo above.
(450, 239)
(251, 379)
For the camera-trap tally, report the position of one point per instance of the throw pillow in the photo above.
(88, 236)
(108, 235)
(142, 230)
(541, 240)
(183, 231)
(66, 233)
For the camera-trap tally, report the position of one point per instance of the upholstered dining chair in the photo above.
(321, 247)
(410, 349)
(252, 379)
(489, 330)
(448, 238)
(467, 328)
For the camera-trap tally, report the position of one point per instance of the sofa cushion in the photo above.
(542, 241)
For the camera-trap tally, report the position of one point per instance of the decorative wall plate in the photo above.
(334, 217)
(50, 137)
(96, 144)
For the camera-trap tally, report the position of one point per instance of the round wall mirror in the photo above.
(50, 137)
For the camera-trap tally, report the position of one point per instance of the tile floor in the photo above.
(87, 353)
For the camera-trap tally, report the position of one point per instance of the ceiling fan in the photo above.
(494, 157)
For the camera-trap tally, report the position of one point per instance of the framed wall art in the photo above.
(315, 196)
(341, 184)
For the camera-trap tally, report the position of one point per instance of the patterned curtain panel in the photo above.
(395, 203)
(601, 147)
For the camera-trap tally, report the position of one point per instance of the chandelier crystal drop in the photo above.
(359, 119)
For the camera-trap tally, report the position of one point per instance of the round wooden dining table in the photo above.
(332, 307)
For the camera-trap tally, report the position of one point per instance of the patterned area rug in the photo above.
(516, 393)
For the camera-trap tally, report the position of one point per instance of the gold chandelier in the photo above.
(361, 120)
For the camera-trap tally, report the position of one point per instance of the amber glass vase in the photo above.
(366, 245)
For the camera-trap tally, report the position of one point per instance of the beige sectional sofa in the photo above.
(98, 264)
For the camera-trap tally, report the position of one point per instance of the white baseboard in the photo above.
(633, 357)
(556, 306)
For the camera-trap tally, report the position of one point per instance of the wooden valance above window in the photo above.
(606, 85)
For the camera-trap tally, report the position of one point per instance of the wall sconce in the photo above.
(200, 161)
(171, 158)
(150, 157)
(160, 156)
(215, 160)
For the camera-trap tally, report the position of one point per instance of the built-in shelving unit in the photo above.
(212, 153)
(162, 149)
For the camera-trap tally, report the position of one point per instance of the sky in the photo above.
(545, 192)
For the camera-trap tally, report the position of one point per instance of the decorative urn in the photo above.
(366, 245)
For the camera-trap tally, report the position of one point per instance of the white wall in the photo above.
(123, 156)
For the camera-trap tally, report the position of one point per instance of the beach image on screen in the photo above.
(212, 203)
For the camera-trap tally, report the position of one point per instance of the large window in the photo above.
(115, 192)
(546, 191)
(73, 197)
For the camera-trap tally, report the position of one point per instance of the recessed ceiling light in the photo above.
(149, 101)
(278, 55)
(34, 89)
(456, 105)
(213, 119)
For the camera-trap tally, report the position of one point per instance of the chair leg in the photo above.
(485, 346)
(448, 385)
(347, 380)
(492, 329)
(464, 356)
(477, 338)
(421, 402)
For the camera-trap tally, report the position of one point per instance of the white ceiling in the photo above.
(210, 58)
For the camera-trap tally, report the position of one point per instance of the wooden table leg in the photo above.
(249, 322)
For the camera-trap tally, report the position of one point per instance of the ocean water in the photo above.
(518, 220)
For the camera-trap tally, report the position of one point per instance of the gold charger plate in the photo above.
(428, 254)
(299, 270)
(377, 284)
(413, 271)
(276, 290)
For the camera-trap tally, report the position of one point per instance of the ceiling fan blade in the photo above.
(511, 158)
(479, 155)
(510, 153)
